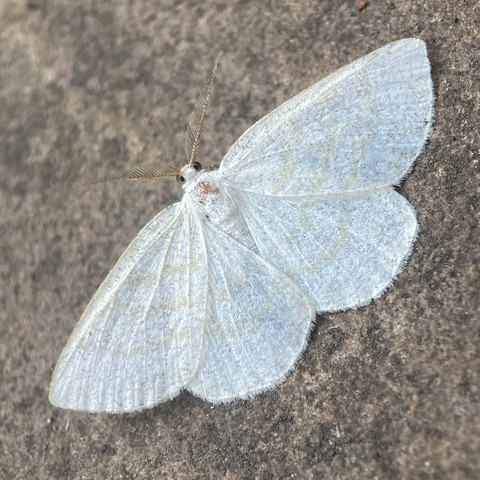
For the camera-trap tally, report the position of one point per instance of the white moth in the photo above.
(218, 293)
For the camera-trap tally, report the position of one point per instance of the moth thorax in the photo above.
(207, 194)
(215, 200)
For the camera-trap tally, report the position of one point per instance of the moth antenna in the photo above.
(197, 117)
(142, 171)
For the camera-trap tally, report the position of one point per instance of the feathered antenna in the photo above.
(197, 118)
(142, 171)
(158, 171)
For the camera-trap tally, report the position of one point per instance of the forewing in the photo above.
(343, 249)
(139, 340)
(258, 323)
(361, 127)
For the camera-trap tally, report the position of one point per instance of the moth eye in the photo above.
(180, 179)
(197, 166)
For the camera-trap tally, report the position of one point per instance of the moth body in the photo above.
(214, 200)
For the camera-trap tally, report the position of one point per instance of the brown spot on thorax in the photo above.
(206, 192)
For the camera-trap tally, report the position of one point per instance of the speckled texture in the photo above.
(387, 391)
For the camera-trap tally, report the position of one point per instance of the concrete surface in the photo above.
(388, 391)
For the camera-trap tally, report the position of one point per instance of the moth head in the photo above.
(188, 173)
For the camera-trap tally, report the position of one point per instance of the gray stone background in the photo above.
(387, 391)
